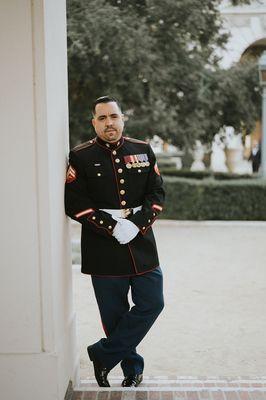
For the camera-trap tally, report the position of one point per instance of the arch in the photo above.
(238, 45)
(255, 49)
(246, 25)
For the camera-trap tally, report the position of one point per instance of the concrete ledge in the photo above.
(212, 223)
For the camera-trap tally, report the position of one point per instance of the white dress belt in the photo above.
(121, 213)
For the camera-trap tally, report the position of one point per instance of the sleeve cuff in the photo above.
(144, 220)
(102, 220)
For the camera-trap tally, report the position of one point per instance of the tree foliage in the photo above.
(160, 60)
(229, 98)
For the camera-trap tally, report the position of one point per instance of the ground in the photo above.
(214, 319)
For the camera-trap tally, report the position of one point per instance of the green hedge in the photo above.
(187, 173)
(209, 199)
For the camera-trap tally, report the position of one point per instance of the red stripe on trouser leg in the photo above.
(104, 328)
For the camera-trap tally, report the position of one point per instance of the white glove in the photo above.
(125, 230)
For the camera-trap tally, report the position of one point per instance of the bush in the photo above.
(187, 173)
(166, 164)
(210, 199)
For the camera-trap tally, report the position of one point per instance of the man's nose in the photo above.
(108, 121)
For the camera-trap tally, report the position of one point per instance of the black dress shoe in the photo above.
(132, 380)
(100, 371)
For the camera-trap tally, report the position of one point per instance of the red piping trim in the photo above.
(104, 147)
(104, 328)
(133, 260)
(81, 213)
(124, 276)
(148, 227)
(120, 207)
(157, 207)
(100, 226)
(111, 148)
(115, 172)
(117, 186)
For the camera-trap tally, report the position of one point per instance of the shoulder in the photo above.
(83, 146)
(133, 140)
(138, 145)
(81, 152)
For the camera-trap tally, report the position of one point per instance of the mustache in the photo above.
(109, 129)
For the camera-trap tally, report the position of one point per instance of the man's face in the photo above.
(108, 121)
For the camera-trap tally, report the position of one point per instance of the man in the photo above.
(114, 189)
(255, 156)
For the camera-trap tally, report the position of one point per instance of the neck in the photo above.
(110, 145)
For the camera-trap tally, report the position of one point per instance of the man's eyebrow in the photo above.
(104, 115)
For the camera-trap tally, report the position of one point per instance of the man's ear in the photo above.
(93, 122)
(123, 117)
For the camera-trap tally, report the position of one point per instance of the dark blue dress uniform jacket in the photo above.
(123, 175)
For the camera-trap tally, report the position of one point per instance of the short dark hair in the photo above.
(103, 99)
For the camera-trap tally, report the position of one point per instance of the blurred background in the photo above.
(186, 75)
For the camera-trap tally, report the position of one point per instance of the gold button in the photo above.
(120, 170)
(144, 227)
(117, 160)
(123, 203)
(122, 192)
(149, 220)
(109, 227)
(93, 218)
(99, 174)
(114, 152)
(139, 170)
(154, 214)
(101, 222)
(107, 144)
(122, 181)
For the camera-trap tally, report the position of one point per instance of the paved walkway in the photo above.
(214, 321)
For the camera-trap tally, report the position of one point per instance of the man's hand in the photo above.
(125, 230)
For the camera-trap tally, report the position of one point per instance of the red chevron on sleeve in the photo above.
(71, 174)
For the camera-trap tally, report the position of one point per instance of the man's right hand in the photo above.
(125, 230)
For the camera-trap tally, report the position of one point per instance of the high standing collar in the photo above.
(110, 146)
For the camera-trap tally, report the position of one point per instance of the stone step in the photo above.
(133, 394)
(181, 388)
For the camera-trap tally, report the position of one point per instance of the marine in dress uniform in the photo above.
(114, 189)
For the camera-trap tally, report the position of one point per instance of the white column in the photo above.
(38, 352)
(263, 138)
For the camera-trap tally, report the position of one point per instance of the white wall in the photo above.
(38, 352)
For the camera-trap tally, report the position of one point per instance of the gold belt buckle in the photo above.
(126, 212)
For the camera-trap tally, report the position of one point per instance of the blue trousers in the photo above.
(125, 327)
